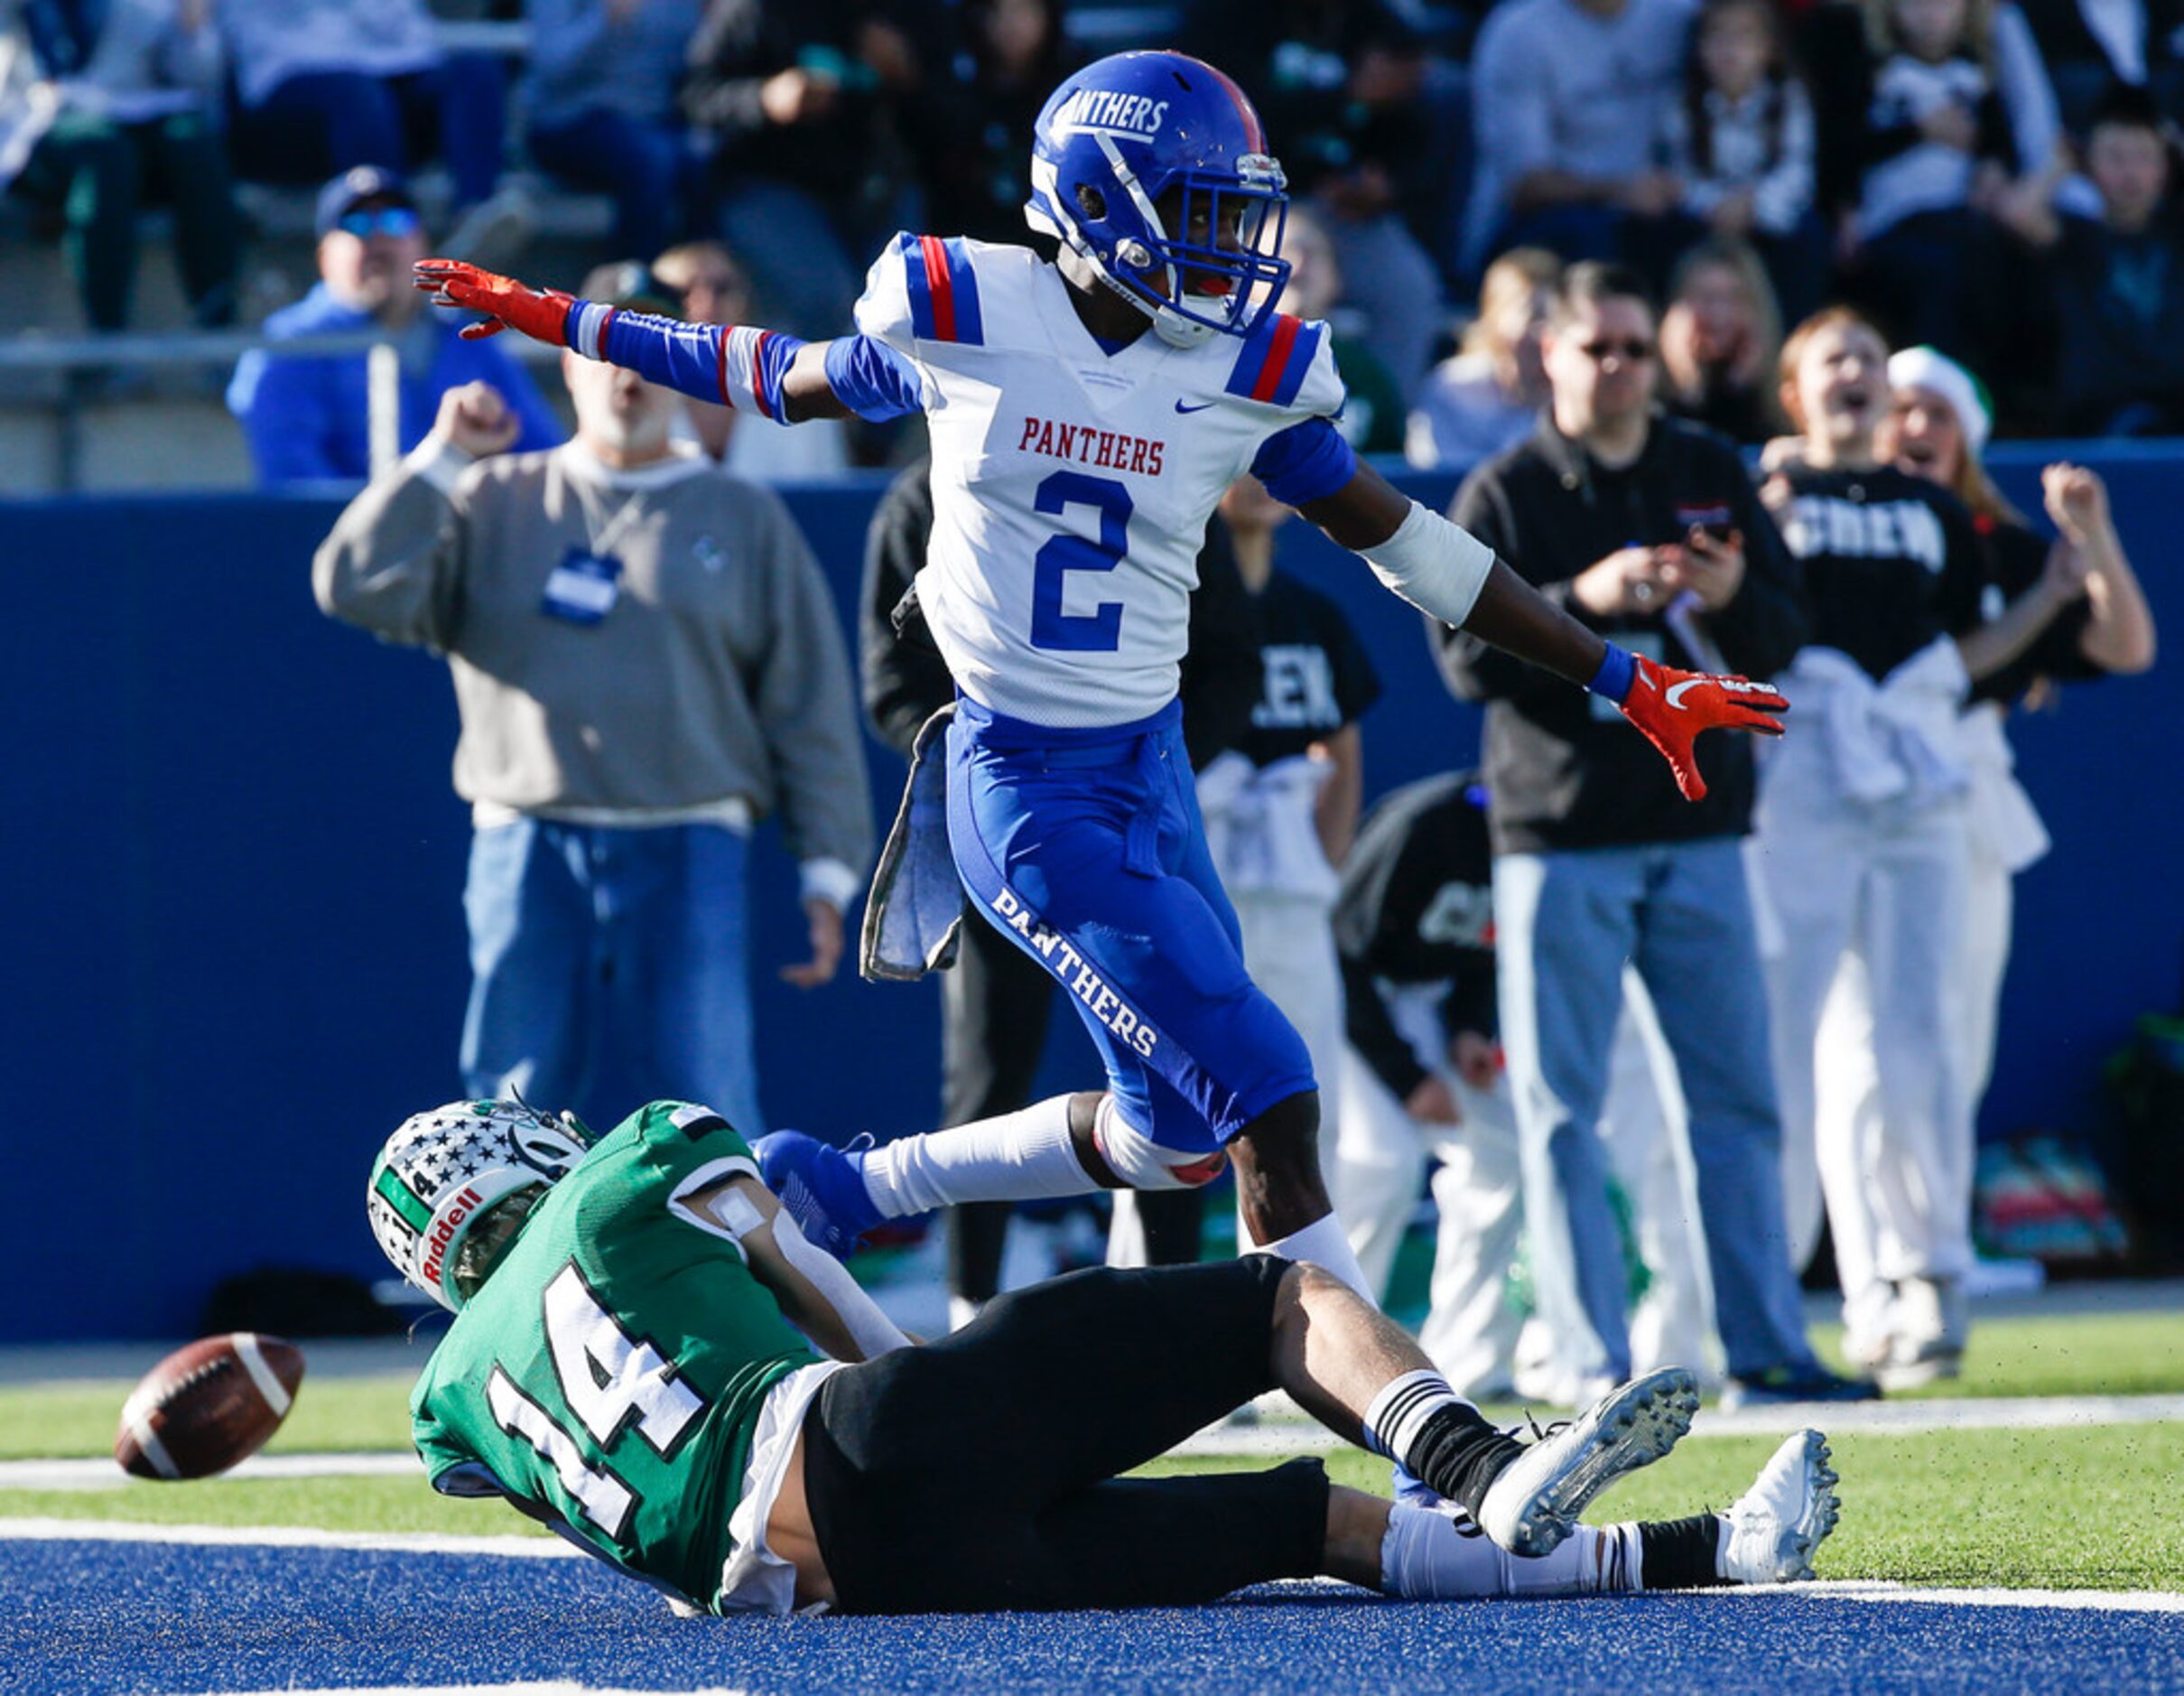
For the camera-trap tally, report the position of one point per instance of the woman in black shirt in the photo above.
(2094, 620)
(1861, 844)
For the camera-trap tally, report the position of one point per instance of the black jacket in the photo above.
(1566, 771)
(905, 681)
(1416, 906)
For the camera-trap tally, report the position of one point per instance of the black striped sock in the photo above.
(1679, 1553)
(1445, 1441)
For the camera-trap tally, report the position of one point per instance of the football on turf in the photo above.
(207, 1406)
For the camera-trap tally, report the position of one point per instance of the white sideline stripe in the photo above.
(1284, 1432)
(285, 1537)
(1876, 1590)
(558, 1687)
(551, 1549)
(103, 1475)
(261, 1375)
(1890, 1590)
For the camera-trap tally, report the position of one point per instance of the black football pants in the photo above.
(977, 1473)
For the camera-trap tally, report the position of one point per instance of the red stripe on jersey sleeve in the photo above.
(1278, 357)
(942, 282)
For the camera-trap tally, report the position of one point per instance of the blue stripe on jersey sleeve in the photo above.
(921, 290)
(1305, 462)
(1302, 352)
(685, 356)
(1244, 377)
(970, 328)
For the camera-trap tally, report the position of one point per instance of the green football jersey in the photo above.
(612, 1369)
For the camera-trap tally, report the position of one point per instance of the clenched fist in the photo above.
(475, 420)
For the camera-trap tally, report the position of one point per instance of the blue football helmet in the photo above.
(1154, 166)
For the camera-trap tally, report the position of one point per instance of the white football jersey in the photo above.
(1071, 487)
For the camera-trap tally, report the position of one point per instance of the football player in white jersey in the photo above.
(1076, 458)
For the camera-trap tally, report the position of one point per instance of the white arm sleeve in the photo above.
(1433, 564)
(873, 1332)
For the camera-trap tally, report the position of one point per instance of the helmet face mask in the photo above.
(1153, 166)
(443, 1170)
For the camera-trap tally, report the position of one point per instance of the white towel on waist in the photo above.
(2004, 824)
(1259, 825)
(1895, 740)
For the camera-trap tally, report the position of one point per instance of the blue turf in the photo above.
(139, 1616)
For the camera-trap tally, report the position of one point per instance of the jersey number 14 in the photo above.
(610, 1381)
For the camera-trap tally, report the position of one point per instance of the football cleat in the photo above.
(1534, 1505)
(821, 1186)
(1772, 1532)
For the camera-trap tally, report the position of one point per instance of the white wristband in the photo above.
(1434, 565)
(439, 461)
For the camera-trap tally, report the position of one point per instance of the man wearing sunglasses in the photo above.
(1648, 531)
(308, 418)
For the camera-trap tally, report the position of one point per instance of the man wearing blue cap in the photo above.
(307, 417)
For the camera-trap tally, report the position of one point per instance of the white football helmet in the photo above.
(443, 1169)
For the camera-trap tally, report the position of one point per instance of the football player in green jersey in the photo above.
(648, 1354)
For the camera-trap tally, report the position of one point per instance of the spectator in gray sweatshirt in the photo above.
(646, 663)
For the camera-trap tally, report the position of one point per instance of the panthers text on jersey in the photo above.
(1072, 483)
(612, 1370)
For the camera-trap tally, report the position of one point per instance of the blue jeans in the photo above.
(1563, 925)
(610, 968)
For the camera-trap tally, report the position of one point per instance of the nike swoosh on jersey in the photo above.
(1201, 407)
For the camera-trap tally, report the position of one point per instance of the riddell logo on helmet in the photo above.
(1102, 109)
(443, 1233)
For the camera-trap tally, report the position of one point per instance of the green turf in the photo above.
(2089, 1508)
(392, 1505)
(2087, 1354)
(331, 1415)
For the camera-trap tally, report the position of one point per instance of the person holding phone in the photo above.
(1648, 531)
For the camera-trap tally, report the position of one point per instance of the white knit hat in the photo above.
(1930, 370)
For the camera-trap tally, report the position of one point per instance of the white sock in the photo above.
(1325, 1246)
(1126, 1232)
(1430, 1554)
(1023, 1156)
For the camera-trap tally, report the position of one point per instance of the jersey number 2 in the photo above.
(1098, 631)
(610, 1381)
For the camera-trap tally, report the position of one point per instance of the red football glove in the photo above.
(542, 314)
(1671, 707)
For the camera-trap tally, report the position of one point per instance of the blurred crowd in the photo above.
(1990, 178)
